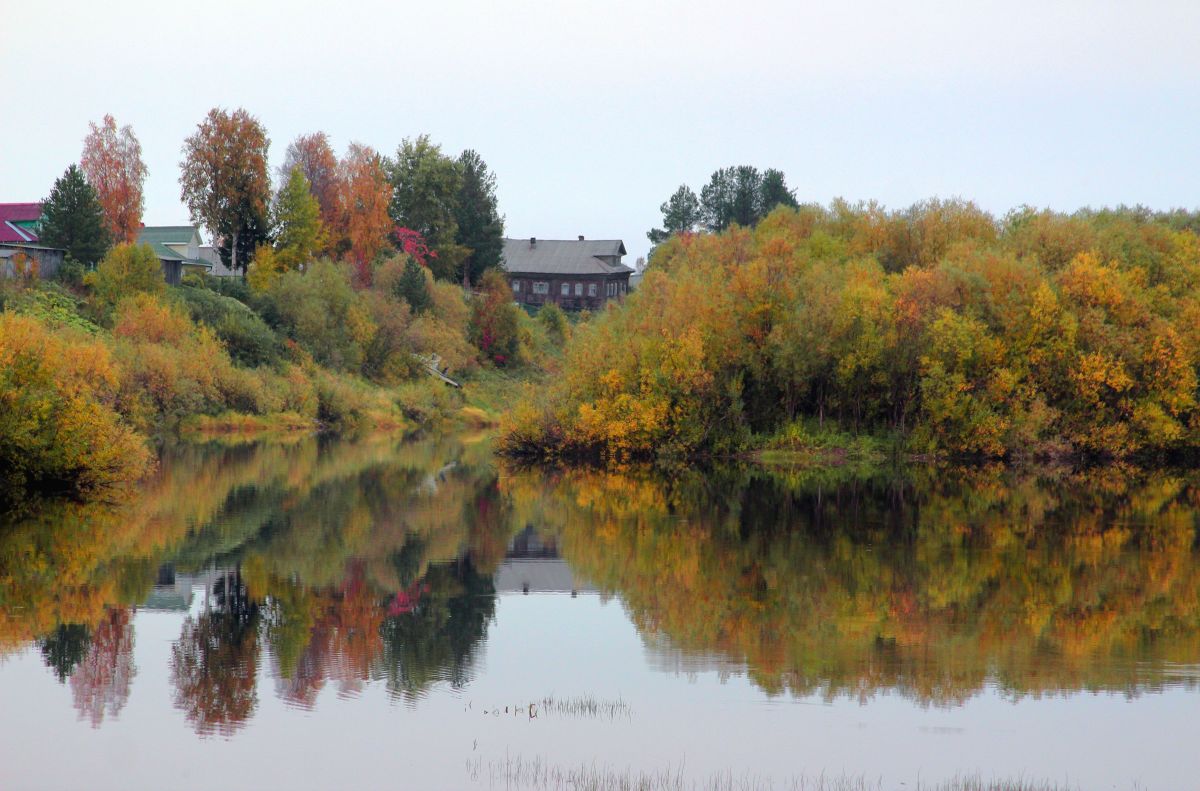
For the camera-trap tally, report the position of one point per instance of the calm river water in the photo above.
(387, 614)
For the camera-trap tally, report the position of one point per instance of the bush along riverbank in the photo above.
(90, 376)
(934, 332)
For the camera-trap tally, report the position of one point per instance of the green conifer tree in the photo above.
(73, 219)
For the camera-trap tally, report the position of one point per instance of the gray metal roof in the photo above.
(563, 257)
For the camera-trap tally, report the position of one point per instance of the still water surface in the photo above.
(384, 614)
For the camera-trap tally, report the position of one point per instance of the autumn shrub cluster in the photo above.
(1040, 334)
(60, 427)
(308, 346)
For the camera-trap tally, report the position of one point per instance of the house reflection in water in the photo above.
(532, 565)
(175, 592)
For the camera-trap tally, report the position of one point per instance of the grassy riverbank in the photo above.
(91, 376)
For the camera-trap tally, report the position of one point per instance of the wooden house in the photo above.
(576, 274)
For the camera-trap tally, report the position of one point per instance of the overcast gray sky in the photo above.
(592, 113)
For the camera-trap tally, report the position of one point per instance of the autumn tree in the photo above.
(681, 214)
(299, 232)
(363, 206)
(494, 327)
(112, 163)
(480, 226)
(313, 155)
(73, 219)
(426, 185)
(224, 181)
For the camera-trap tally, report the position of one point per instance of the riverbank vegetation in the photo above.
(373, 558)
(357, 278)
(89, 376)
(939, 330)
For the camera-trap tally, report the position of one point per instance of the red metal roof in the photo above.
(12, 213)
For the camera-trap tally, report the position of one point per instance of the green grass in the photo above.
(806, 441)
(495, 391)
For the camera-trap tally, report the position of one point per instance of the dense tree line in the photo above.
(1038, 334)
(735, 195)
(367, 204)
(363, 205)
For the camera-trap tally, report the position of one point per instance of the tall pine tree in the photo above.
(480, 226)
(73, 219)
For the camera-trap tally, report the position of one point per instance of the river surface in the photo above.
(413, 614)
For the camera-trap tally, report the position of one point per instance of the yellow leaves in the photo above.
(1043, 340)
(1098, 376)
(126, 269)
(359, 322)
(266, 267)
(143, 318)
(59, 422)
(1091, 284)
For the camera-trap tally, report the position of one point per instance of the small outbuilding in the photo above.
(178, 247)
(30, 260)
(576, 274)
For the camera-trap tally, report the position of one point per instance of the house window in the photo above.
(566, 289)
(591, 289)
(579, 289)
(516, 284)
(541, 287)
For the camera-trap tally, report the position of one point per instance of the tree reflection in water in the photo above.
(373, 561)
(933, 588)
(214, 664)
(101, 682)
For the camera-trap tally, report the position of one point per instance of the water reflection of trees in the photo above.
(214, 664)
(373, 561)
(346, 561)
(933, 588)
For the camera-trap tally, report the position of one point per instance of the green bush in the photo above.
(247, 337)
(426, 399)
(322, 313)
(344, 404)
(554, 320)
(54, 305)
(71, 272)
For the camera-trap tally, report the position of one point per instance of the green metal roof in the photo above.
(159, 236)
(167, 234)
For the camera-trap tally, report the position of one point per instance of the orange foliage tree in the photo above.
(364, 222)
(112, 163)
(223, 179)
